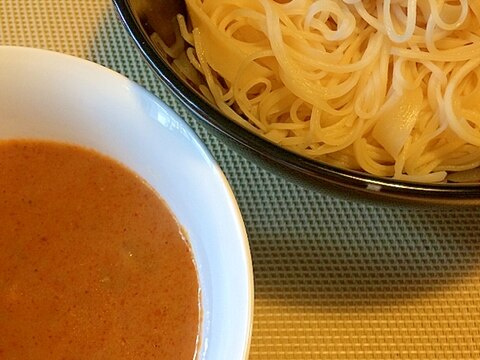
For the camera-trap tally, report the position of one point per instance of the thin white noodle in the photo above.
(335, 79)
(442, 24)
(410, 25)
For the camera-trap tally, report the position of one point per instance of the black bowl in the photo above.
(144, 17)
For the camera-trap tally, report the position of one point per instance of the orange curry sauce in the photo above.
(93, 264)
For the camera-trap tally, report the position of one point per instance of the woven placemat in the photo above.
(334, 280)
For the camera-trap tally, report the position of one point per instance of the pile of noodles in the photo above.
(390, 87)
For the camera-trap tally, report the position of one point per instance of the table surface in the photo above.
(333, 279)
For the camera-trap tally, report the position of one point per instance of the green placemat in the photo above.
(334, 280)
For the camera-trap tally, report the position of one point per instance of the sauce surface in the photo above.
(93, 264)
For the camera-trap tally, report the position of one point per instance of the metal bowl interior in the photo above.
(142, 18)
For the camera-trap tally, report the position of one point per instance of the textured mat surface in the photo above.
(334, 280)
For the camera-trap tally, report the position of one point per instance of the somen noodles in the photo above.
(390, 87)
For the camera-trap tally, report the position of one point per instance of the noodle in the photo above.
(390, 87)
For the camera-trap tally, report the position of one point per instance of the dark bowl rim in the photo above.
(212, 117)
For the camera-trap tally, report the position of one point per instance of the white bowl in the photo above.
(46, 95)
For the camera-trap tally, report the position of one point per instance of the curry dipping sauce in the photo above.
(93, 264)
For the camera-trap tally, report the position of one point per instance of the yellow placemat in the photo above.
(334, 280)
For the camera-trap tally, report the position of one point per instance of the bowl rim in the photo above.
(396, 190)
(36, 66)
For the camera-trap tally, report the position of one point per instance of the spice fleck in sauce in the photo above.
(93, 264)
